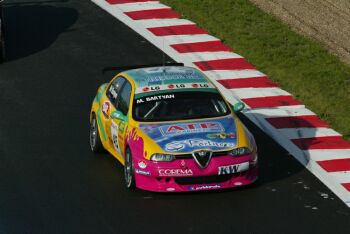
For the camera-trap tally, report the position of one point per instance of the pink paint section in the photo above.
(257, 82)
(189, 29)
(128, 1)
(274, 101)
(207, 46)
(165, 13)
(135, 143)
(329, 142)
(335, 165)
(157, 183)
(224, 64)
(306, 121)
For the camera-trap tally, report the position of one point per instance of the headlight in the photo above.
(162, 157)
(240, 151)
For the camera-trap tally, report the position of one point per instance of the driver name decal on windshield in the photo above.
(187, 128)
(155, 98)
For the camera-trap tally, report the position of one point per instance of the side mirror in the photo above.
(238, 107)
(117, 115)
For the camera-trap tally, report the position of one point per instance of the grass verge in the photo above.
(299, 65)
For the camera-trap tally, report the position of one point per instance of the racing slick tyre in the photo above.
(95, 140)
(129, 170)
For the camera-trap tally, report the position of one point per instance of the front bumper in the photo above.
(184, 175)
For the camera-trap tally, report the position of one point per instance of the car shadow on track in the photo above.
(33, 26)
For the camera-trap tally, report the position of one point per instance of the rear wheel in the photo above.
(129, 170)
(95, 140)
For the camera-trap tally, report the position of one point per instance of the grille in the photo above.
(202, 179)
(189, 156)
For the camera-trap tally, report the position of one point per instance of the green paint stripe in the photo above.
(104, 135)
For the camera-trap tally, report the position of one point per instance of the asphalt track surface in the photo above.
(50, 182)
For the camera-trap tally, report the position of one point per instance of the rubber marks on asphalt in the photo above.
(274, 110)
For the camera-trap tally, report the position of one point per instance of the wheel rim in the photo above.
(93, 133)
(128, 170)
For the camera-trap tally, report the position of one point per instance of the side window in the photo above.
(124, 98)
(114, 89)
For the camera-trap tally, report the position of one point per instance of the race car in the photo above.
(173, 131)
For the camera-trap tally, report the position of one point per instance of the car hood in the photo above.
(180, 137)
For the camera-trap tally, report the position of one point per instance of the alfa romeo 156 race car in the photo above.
(173, 131)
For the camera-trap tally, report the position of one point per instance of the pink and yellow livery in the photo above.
(173, 131)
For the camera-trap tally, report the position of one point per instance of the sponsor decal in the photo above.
(142, 164)
(200, 127)
(113, 92)
(121, 126)
(183, 164)
(114, 133)
(105, 108)
(202, 157)
(179, 145)
(170, 189)
(155, 98)
(204, 187)
(159, 87)
(149, 128)
(189, 136)
(142, 172)
(232, 169)
(175, 172)
(221, 135)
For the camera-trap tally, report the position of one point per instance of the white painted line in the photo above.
(341, 176)
(296, 133)
(153, 23)
(259, 92)
(139, 6)
(206, 56)
(328, 154)
(233, 74)
(180, 39)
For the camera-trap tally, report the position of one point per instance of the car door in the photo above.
(108, 107)
(119, 122)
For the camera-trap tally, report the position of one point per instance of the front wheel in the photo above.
(129, 170)
(95, 140)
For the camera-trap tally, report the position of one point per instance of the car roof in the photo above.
(163, 78)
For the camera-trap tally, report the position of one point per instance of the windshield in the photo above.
(179, 105)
